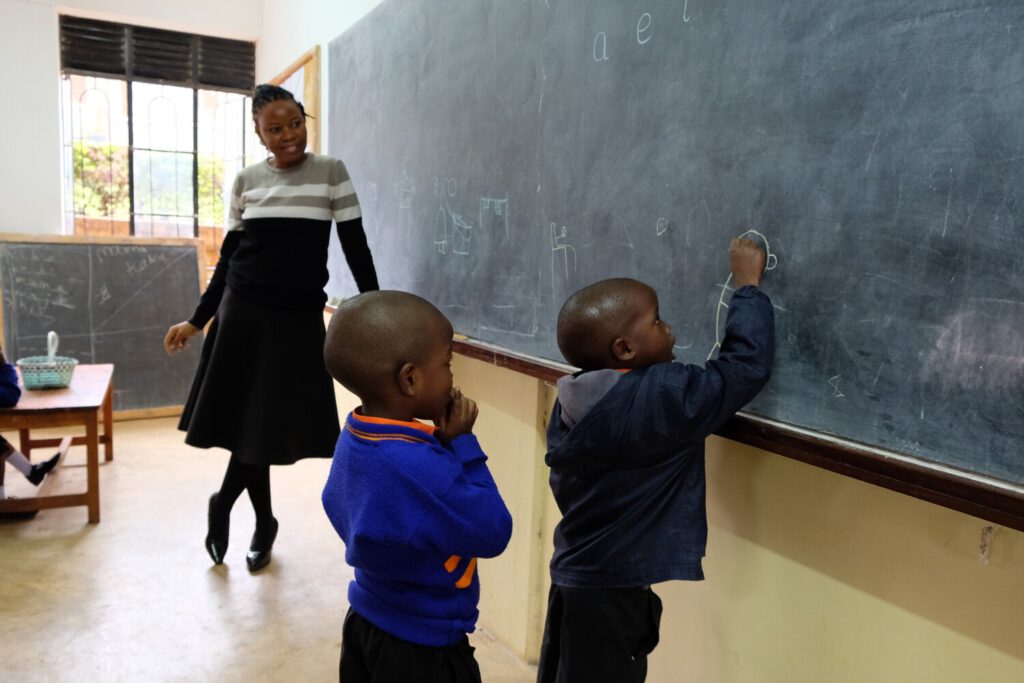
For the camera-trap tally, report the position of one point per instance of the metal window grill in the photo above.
(148, 58)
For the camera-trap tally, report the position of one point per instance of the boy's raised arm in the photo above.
(697, 401)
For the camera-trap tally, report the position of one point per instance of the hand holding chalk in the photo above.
(747, 261)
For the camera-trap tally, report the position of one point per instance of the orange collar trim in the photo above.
(369, 419)
(384, 436)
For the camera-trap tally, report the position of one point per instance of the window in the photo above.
(155, 126)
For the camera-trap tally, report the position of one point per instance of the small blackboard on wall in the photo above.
(110, 300)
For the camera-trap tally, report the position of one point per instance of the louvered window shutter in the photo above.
(88, 46)
(92, 46)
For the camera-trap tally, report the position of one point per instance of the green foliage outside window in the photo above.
(101, 180)
(102, 188)
(211, 188)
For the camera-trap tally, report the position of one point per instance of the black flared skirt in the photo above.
(261, 390)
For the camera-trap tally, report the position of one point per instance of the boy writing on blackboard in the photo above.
(626, 451)
(414, 503)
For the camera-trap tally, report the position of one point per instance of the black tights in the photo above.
(239, 477)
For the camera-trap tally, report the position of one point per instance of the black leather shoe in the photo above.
(41, 469)
(216, 533)
(258, 556)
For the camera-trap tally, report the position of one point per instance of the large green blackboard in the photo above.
(508, 153)
(109, 302)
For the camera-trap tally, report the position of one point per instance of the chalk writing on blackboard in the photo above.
(771, 261)
(493, 218)
(601, 47)
(451, 231)
(561, 265)
(642, 26)
(405, 190)
(514, 310)
(110, 303)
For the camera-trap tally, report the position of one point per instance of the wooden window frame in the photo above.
(310, 95)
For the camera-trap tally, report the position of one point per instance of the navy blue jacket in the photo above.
(628, 475)
(10, 392)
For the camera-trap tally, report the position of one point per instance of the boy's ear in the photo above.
(409, 380)
(623, 349)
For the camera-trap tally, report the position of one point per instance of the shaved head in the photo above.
(371, 336)
(594, 317)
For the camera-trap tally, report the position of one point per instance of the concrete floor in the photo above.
(136, 598)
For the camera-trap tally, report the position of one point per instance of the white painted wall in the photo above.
(238, 19)
(30, 177)
(291, 27)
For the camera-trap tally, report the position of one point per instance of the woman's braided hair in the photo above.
(265, 93)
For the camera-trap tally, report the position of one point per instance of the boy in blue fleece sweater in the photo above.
(10, 392)
(626, 451)
(414, 503)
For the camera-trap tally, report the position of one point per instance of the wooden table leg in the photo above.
(26, 440)
(92, 466)
(108, 423)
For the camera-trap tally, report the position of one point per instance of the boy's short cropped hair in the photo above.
(372, 335)
(592, 318)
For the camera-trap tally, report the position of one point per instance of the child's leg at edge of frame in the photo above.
(352, 667)
(550, 644)
(8, 453)
(599, 635)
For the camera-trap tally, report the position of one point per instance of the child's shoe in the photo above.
(41, 469)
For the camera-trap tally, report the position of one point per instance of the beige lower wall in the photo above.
(811, 576)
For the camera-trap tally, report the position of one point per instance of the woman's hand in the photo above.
(178, 336)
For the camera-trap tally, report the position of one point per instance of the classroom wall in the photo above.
(30, 178)
(291, 27)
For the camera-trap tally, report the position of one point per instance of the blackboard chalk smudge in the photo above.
(979, 348)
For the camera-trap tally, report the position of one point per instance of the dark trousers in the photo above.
(370, 655)
(598, 635)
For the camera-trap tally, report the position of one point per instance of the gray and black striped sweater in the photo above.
(275, 251)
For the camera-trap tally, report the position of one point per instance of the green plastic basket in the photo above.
(43, 372)
(47, 372)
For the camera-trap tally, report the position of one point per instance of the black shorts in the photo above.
(369, 654)
(598, 635)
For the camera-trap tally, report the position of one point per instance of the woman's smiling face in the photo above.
(282, 128)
